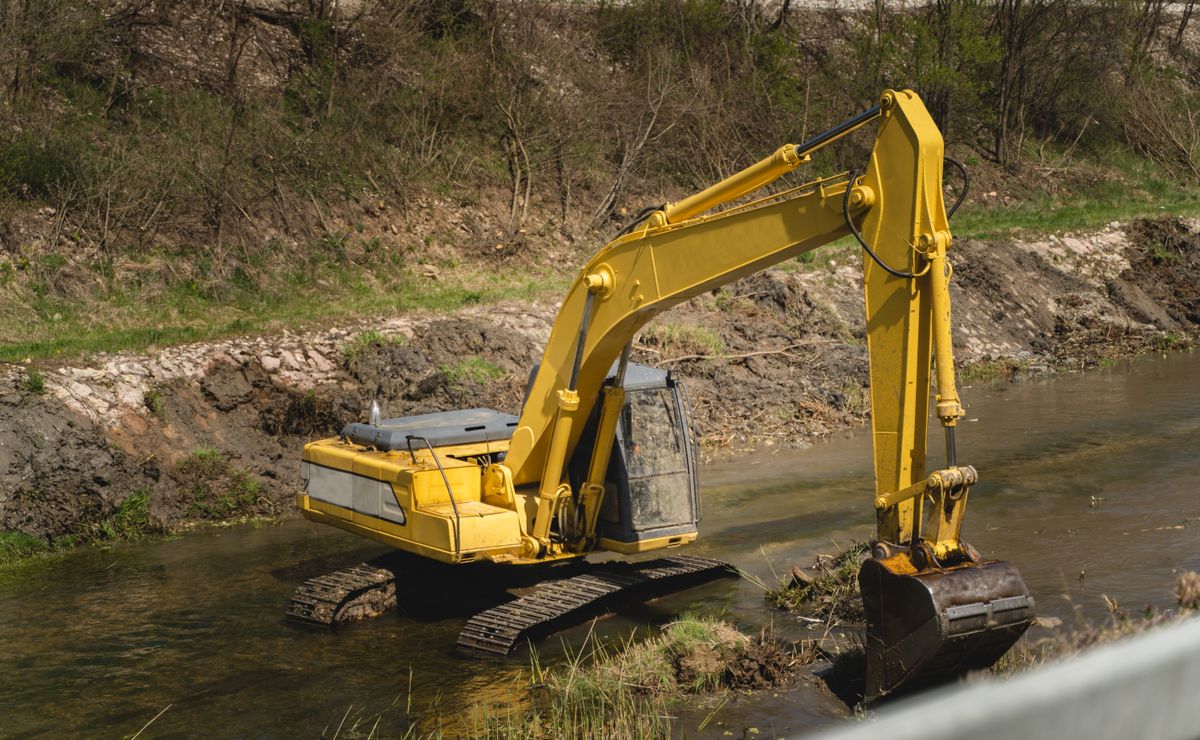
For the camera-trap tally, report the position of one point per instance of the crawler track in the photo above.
(502, 629)
(359, 592)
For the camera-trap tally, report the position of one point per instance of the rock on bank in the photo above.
(213, 431)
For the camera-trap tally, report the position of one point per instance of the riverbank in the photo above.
(1088, 500)
(156, 440)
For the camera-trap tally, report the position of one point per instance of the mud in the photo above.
(777, 359)
(742, 663)
(765, 662)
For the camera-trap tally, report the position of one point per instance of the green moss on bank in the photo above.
(130, 521)
(115, 318)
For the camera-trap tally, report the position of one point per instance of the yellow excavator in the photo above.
(602, 455)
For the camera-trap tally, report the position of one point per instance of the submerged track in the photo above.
(359, 592)
(368, 590)
(502, 629)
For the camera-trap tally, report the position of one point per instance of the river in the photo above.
(1088, 484)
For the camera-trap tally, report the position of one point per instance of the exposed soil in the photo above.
(699, 657)
(764, 662)
(778, 358)
(739, 662)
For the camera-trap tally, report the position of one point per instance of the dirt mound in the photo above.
(755, 663)
(692, 655)
(777, 359)
(728, 659)
(225, 443)
(764, 662)
(1164, 262)
(59, 474)
(447, 364)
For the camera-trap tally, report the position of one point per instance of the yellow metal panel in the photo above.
(486, 531)
(906, 173)
(632, 548)
(482, 527)
(332, 453)
(430, 490)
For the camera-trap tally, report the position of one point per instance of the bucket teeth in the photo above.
(939, 623)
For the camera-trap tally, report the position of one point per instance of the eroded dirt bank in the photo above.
(213, 431)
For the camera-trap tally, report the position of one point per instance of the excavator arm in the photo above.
(684, 250)
(935, 608)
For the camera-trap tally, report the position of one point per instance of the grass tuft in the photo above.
(34, 381)
(980, 372)
(624, 692)
(360, 343)
(828, 590)
(131, 521)
(18, 546)
(215, 488)
(154, 402)
(474, 369)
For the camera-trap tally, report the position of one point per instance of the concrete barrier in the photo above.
(1143, 688)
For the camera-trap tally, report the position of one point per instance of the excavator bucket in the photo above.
(936, 623)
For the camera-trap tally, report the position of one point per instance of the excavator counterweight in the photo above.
(602, 455)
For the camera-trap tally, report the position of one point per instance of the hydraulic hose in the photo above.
(641, 216)
(962, 195)
(858, 235)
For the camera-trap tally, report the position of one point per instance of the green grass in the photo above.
(131, 521)
(628, 690)
(121, 319)
(474, 369)
(990, 370)
(154, 402)
(1143, 190)
(34, 381)
(17, 547)
(344, 277)
(364, 341)
(1170, 341)
(217, 489)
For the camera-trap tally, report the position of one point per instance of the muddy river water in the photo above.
(1089, 485)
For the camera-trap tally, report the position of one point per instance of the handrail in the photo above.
(457, 518)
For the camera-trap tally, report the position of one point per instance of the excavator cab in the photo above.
(652, 499)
